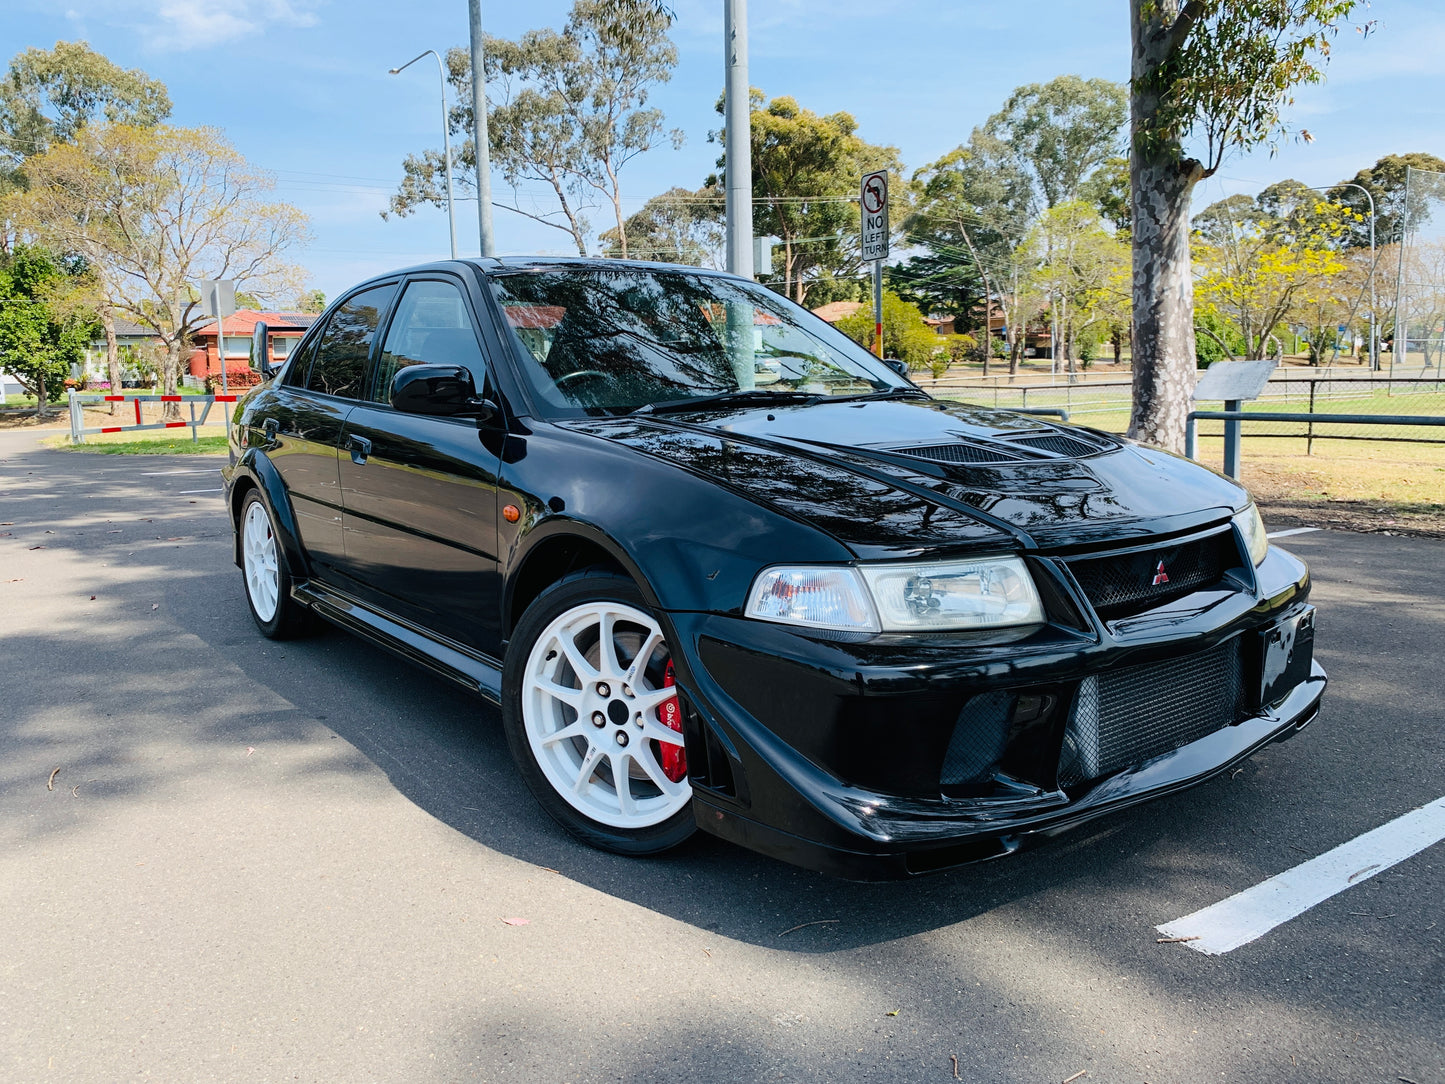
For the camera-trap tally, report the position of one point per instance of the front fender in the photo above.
(255, 469)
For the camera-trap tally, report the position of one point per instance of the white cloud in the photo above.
(183, 25)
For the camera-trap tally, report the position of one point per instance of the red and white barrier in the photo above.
(78, 428)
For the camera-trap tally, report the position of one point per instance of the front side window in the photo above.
(341, 356)
(610, 342)
(431, 327)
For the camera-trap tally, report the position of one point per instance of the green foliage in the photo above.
(1107, 188)
(311, 301)
(905, 335)
(39, 341)
(679, 226)
(567, 109)
(1385, 181)
(1228, 67)
(1059, 132)
(806, 170)
(48, 95)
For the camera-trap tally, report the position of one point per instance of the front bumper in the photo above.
(828, 753)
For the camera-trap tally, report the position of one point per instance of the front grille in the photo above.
(1125, 717)
(1123, 584)
(958, 453)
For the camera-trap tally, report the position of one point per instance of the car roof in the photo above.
(508, 264)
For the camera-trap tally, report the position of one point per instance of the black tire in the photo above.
(287, 618)
(591, 586)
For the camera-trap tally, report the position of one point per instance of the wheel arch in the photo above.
(256, 472)
(555, 549)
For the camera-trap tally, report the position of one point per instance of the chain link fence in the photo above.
(1420, 274)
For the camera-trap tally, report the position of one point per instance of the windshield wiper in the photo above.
(886, 393)
(749, 396)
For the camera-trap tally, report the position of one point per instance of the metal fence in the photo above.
(1420, 273)
(78, 428)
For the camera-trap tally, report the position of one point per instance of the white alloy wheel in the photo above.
(591, 696)
(262, 567)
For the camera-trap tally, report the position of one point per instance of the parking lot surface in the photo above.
(227, 859)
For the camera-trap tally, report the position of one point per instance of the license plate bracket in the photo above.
(1288, 655)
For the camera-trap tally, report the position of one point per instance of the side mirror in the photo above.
(443, 391)
(261, 350)
(898, 365)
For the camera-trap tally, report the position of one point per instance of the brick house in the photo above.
(286, 330)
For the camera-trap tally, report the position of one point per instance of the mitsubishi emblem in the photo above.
(1160, 576)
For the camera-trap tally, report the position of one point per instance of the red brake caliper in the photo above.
(674, 757)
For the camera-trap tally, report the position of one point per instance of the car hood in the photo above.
(896, 477)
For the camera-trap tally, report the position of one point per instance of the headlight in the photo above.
(985, 593)
(1251, 529)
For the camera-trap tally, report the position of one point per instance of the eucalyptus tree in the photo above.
(1219, 72)
(568, 110)
(161, 209)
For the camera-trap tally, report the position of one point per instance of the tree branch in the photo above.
(1179, 29)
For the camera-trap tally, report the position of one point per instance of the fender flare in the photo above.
(558, 526)
(256, 469)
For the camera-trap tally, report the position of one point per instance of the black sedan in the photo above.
(723, 569)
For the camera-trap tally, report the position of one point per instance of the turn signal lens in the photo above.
(987, 593)
(1251, 529)
(823, 598)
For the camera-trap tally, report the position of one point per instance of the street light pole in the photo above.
(1374, 330)
(739, 142)
(446, 136)
(479, 131)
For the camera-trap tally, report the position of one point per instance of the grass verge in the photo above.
(162, 445)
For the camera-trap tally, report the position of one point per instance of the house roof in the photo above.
(836, 310)
(245, 320)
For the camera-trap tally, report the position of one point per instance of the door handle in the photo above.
(359, 447)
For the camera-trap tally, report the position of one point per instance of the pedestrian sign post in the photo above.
(218, 299)
(873, 203)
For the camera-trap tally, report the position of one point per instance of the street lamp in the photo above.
(446, 137)
(1374, 333)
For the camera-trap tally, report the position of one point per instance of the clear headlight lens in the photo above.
(831, 597)
(1251, 528)
(984, 593)
(987, 593)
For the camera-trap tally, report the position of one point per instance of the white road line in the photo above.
(1255, 911)
(184, 492)
(1293, 530)
(163, 473)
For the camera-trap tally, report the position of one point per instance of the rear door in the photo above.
(319, 391)
(420, 493)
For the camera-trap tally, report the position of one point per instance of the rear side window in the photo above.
(431, 327)
(341, 355)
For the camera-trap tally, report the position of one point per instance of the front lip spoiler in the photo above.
(898, 839)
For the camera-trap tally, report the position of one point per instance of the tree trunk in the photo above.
(170, 377)
(1161, 182)
(112, 351)
(41, 396)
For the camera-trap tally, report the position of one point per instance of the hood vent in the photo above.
(961, 453)
(1062, 444)
(1033, 446)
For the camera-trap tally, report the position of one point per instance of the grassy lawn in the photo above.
(151, 442)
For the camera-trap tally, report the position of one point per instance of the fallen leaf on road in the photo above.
(92, 597)
(517, 921)
(37, 547)
(251, 748)
(50, 783)
(1081, 1072)
(895, 1012)
(10, 523)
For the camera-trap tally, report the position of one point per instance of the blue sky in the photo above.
(301, 88)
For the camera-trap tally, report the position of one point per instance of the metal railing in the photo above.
(78, 428)
(1234, 420)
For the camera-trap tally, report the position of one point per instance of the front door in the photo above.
(420, 493)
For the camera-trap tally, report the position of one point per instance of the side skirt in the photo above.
(475, 671)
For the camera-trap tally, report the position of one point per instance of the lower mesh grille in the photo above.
(978, 738)
(1125, 717)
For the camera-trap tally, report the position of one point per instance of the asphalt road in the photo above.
(262, 862)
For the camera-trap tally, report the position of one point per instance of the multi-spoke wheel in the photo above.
(593, 719)
(268, 584)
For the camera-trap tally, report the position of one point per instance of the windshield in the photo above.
(598, 342)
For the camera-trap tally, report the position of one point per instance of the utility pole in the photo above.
(479, 132)
(739, 141)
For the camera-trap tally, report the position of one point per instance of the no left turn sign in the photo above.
(873, 198)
